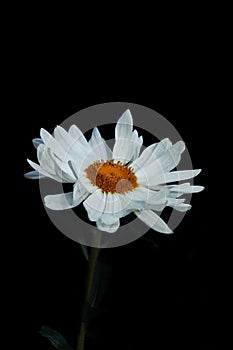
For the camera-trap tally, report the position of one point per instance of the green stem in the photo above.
(92, 261)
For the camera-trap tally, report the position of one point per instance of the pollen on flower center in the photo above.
(112, 177)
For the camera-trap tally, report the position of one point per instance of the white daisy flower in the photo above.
(112, 184)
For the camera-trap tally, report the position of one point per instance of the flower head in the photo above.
(112, 184)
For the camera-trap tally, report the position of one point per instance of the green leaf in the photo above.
(55, 338)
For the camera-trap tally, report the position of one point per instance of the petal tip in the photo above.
(126, 117)
(168, 231)
(42, 131)
(183, 144)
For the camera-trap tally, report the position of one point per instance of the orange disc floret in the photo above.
(112, 177)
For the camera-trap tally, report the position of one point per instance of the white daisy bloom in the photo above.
(112, 184)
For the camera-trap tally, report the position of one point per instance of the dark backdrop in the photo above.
(175, 295)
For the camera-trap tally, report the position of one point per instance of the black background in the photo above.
(176, 295)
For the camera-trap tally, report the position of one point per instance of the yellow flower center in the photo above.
(112, 177)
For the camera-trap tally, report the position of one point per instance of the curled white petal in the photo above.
(37, 141)
(114, 204)
(66, 200)
(59, 201)
(33, 175)
(110, 228)
(95, 205)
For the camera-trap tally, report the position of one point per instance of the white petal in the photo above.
(178, 204)
(124, 125)
(77, 135)
(141, 198)
(45, 160)
(153, 221)
(82, 176)
(127, 145)
(149, 177)
(80, 155)
(155, 200)
(183, 207)
(171, 158)
(163, 146)
(45, 135)
(60, 201)
(172, 202)
(66, 200)
(136, 199)
(99, 146)
(116, 206)
(36, 142)
(108, 228)
(151, 153)
(79, 193)
(124, 149)
(74, 150)
(73, 169)
(156, 172)
(51, 143)
(137, 144)
(63, 138)
(113, 205)
(62, 169)
(95, 205)
(108, 219)
(181, 175)
(86, 183)
(144, 198)
(90, 158)
(33, 175)
(64, 146)
(145, 158)
(42, 171)
(179, 190)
